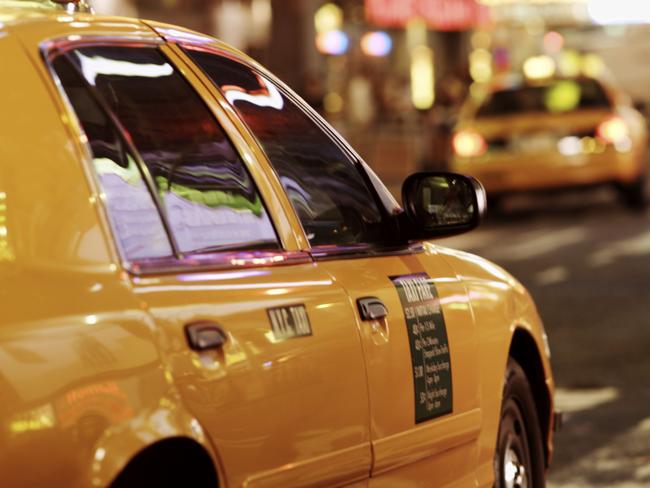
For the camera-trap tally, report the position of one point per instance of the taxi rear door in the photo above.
(260, 344)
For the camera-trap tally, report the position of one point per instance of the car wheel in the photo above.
(519, 456)
(634, 194)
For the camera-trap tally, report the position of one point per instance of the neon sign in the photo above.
(442, 15)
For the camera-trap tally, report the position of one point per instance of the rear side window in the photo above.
(205, 192)
(324, 185)
(554, 97)
(132, 212)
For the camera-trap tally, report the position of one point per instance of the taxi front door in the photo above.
(420, 348)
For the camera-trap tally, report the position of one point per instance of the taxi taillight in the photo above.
(613, 130)
(468, 143)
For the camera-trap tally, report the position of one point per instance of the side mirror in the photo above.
(442, 204)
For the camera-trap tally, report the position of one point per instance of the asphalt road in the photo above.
(586, 261)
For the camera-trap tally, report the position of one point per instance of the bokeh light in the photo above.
(570, 63)
(422, 78)
(376, 44)
(539, 67)
(328, 18)
(619, 11)
(480, 65)
(592, 65)
(333, 103)
(563, 96)
(553, 42)
(334, 42)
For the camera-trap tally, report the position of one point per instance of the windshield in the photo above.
(555, 97)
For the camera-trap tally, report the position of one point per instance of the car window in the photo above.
(208, 196)
(324, 185)
(131, 209)
(554, 97)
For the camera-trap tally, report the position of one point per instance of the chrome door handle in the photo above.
(372, 308)
(205, 335)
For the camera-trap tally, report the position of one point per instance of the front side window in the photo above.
(208, 196)
(325, 187)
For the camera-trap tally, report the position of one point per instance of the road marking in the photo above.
(625, 459)
(635, 246)
(552, 276)
(576, 400)
(473, 240)
(537, 243)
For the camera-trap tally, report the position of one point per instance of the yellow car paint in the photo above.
(94, 363)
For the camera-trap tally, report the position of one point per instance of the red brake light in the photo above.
(613, 130)
(468, 143)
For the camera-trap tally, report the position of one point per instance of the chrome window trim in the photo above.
(60, 45)
(179, 263)
(351, 252)
(221, 261)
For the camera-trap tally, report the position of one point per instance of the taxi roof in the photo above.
(13, 11)
(37, 21)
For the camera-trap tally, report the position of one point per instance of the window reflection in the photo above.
(267, 96)
(209, 198)
(91, 67)
(324, 186)
(6, 252)
(132, 212)
(136, 218)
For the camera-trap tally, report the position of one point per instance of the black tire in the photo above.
(171, 464)
(519, 456)
(634, 194)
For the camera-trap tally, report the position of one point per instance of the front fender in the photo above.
(502, 309)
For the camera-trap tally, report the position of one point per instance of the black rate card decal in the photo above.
(429, 346)
(289, 322)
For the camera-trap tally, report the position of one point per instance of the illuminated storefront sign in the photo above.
(443, 15)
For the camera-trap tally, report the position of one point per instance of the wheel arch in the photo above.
(525, 351)
(170, 453)
(163, 436)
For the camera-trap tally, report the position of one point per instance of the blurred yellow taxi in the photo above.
(203, 285)
(553, 134)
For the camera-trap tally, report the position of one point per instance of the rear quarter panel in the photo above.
(82, 385)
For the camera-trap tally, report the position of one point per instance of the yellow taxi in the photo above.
(553, 134)
(204, 285)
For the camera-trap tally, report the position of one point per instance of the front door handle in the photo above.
(205, 335)
(372, 308)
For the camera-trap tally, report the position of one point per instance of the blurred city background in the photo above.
(399, 78)
(392, 75)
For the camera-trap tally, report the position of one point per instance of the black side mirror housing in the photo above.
(442, 204)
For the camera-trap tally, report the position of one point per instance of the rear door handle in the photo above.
(372, 308)
(205, 335)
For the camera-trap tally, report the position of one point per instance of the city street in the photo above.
(586, 261)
